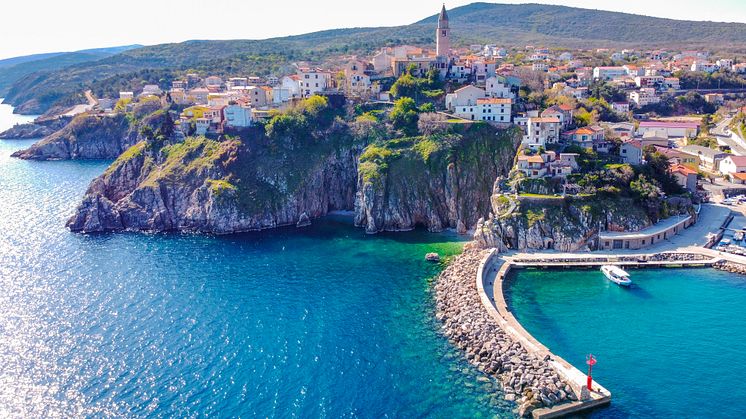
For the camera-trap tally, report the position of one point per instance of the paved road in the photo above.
(90, 98)
(711, 217)
(725, 137)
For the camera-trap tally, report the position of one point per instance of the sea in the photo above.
(670, 346)
(323, 321)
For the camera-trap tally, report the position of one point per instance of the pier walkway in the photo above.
(683, 250)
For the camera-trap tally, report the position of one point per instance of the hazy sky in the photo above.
(33, 26)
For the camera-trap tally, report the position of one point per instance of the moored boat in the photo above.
(616, 275)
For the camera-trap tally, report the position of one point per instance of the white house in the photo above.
(645, 96)
(213, 81)
(709, 159)
(620, 107)
(563, 113)
(281, 95)
(465, 96)
(382, 61)
(648, 81)
(631, 152)
(484, 69)
(725, 63)
(707, 67)
(218, 99)
(608, 73)
(541, 131)
(671, 83)
(151, 89)
(237, 116)
(313, 81)
(732, 164)
(494, 109)
(495, 88)
(291, 84)
(459, 71)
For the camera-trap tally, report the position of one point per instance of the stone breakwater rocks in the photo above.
(733, 267)
(529, 381)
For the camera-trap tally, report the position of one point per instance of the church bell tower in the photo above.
(443, 37)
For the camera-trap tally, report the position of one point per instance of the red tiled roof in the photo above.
(494, 100)
(683, 170)
(635, 143)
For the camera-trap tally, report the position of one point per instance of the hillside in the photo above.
(13, 69)
(510, 25)
(569, 26)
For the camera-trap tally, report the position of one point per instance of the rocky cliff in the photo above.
(219, 187)
(90, 136)
(287, 174)
(436, 181)
(565, 224)
(37, 129)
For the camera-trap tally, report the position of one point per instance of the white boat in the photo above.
(616, 275)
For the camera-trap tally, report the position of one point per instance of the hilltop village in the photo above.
(643, 130)
(613, 103)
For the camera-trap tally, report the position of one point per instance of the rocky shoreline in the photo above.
(36, 129)
(527, 380)
(731, 267)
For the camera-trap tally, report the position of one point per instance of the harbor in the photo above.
(482, 305)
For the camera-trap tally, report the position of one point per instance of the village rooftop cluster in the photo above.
(499, 86)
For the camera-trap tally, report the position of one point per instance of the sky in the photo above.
(34, 26)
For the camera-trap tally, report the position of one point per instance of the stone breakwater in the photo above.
(732, 267)
(529, 381)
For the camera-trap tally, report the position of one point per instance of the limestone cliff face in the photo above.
(36, 129)
(90, 136)
(287, 177)
(435, 182)
(217, 187)
(570, 224)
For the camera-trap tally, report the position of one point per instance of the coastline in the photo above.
(482, 312)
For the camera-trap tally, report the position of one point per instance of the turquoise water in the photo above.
(670, 346)
(319, 322)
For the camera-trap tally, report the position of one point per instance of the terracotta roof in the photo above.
(494, 100)
(685, 170)
(739, 176)
(584, 131)
(534, 120)
(634, 143)
(566, 107)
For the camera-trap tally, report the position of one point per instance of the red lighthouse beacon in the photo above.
(591, 361)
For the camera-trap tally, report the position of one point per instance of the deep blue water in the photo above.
(671, 346)
(320, 322)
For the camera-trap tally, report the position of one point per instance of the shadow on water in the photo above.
(638, 291)
(329, 227)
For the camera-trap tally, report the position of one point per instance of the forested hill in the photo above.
(13, 69)
(508, 25)
(568, 25)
